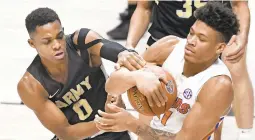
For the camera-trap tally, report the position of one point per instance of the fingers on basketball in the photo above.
(167, 91)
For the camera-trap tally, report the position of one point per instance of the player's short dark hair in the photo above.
(39, 17)
(220, 18)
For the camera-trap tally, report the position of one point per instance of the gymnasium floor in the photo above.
(17, 122)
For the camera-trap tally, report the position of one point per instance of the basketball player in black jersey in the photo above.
(176, 18)
(65, 83)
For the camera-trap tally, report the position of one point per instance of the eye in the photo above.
(47, 42)
(60, 36)
(202, 39)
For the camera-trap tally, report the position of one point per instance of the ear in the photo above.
(31, 43)
(220, 48)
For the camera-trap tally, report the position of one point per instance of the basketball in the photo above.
(139, 101)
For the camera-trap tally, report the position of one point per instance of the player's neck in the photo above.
(191, 69)
(57, 71)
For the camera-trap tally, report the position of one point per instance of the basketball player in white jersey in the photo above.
(204, 84)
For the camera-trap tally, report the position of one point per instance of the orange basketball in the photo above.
(139, 101)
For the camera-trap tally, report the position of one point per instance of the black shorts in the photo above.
(108, 136)
(150, 41)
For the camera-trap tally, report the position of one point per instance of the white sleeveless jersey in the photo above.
(188, 89)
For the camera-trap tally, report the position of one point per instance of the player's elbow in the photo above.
(144, 6)
(151, 55)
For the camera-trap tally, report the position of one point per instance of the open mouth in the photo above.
(58, 54)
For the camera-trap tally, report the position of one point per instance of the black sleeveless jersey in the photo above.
(84, 92)
(174, 17)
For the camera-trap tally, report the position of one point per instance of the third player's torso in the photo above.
(174, 17)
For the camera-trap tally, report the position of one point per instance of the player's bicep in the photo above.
(198, 123)
(213, 102)
(160, 50)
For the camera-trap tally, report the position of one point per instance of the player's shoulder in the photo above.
(222, 81)
(28, 83)
(29, 89)
(218, 86)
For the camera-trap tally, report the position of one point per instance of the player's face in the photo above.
(49, 41)
(203, 44)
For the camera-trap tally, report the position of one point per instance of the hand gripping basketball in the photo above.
(153, 87)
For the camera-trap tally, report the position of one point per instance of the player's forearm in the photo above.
(120, 81)
(138, 26)
(80, 131)
(147, 133)
(241, 9)
(110, 50)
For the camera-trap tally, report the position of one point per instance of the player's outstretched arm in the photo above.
(123, 79)
(110, 50)
(36, 98)
(121, 120)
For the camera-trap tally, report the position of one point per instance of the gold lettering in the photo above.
(86, 83)
(137, 100)
(68, 97)
(188, 10)
(77, 108)
(60, 104)
(77, 93)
